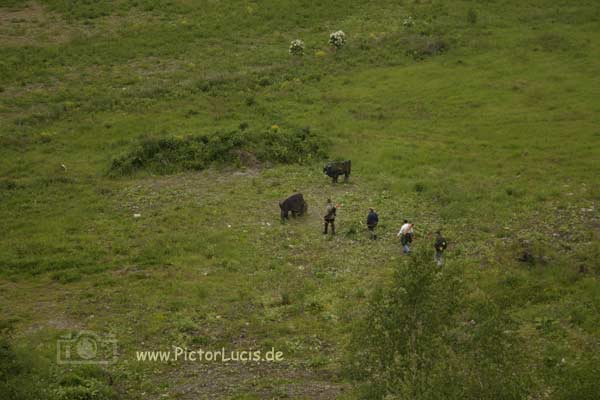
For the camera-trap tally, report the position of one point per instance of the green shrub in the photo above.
(353, 229)
(419, 187)
(472, 16)
(28, 375)
(17, 380)
(239, 147)
(7, 184)
(285, 299)
(8, 362)
(419, 339)
(265, 81)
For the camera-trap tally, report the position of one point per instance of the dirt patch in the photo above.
(33, 25)
(265, 380)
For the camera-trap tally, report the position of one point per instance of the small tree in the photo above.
(419, 339)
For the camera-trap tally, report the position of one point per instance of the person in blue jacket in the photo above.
(372, 221)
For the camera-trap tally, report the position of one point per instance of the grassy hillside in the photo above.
(479, 117)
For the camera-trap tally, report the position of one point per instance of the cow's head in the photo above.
(284, 213)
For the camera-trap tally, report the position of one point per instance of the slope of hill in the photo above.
(477, 117)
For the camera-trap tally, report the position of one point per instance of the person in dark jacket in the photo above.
(372, 221)
(329, 217)
(439, 245)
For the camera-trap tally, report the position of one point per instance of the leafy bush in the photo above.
(297, 47)
(17, 381)
(8, 364)
(352, 229)
(472, 16)
(237, 148)
(337, 39)
(7, 184)
(25, 376)
(265, 81)
(420, 340)
(419, 187)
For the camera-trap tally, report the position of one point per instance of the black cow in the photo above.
(294, 204)
(336, 168)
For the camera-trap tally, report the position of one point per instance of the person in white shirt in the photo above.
(406, 234)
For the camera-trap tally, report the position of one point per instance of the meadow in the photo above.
(479, 118)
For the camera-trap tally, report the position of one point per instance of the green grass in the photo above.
(495, 140)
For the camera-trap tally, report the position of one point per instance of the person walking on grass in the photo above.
(439, 245)
(406, 235)
(329, 217)
(372, 221)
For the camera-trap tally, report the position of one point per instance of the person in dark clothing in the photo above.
(372, 221)
(329, 217)
(439, 245)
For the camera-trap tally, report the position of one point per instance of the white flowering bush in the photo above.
(408, 22)
(297, 47)
(337, 39)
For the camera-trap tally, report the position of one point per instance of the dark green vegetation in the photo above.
(481, 117)
(426, 338)
(239, 148)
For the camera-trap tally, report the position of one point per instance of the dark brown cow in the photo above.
(336, 168)
(294, 204)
